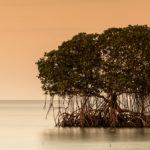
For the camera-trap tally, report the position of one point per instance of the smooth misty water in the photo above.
(23, 127)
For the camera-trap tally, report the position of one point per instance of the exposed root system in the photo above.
(121, 111)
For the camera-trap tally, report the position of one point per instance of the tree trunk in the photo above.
(82, 113)
(113, 116)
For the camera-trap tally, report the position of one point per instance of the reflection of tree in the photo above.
(100, 79)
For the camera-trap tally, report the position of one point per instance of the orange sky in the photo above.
(28, 28)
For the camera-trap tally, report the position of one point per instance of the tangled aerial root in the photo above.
(92, 120)
(77, 112)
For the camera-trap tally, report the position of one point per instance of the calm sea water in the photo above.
(23, 127)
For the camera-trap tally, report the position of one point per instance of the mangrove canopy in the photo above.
(101, 80)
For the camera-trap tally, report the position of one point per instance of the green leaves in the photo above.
(90, 64)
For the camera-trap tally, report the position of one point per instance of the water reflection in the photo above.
(96, 139)
(96, 134)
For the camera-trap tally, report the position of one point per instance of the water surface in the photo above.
(23, 127)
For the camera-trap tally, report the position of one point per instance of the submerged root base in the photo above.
(88, 120)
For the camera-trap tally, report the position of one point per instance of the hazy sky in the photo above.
(28, 28)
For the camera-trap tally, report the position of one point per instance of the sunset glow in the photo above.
(28, 28)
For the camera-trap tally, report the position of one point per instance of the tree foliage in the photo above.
(109, 73)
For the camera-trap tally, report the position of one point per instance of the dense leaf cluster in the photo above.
(117, 60)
